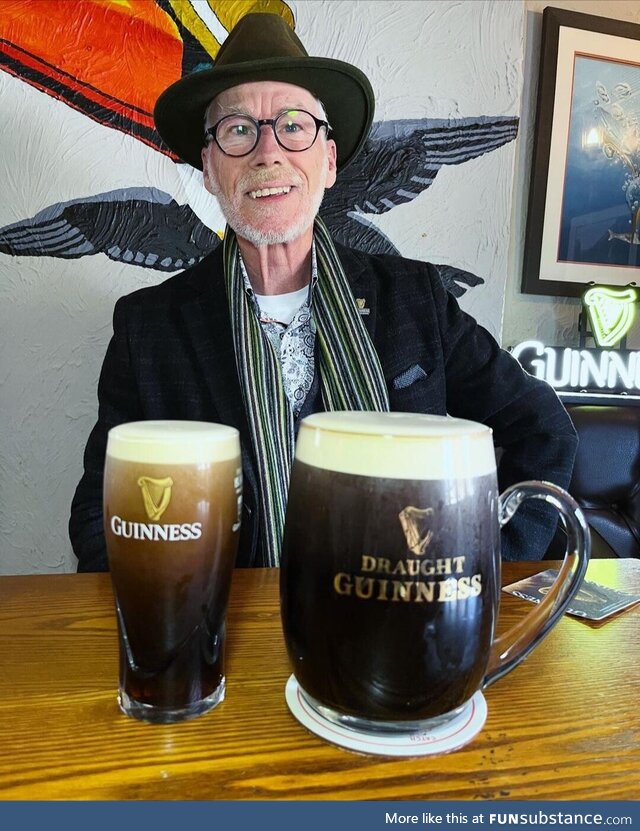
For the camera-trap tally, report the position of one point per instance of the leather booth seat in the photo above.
(606, 477)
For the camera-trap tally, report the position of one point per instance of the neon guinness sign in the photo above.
(575, 370)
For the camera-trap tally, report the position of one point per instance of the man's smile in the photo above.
(272, 191)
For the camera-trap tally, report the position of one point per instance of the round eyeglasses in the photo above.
(238, 135)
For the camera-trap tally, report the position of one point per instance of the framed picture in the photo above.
(583, 222)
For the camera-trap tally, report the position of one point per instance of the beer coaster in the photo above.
(441, 739)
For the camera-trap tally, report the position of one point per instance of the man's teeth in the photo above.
(255, 194)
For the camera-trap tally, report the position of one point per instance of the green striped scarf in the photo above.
(351, 377)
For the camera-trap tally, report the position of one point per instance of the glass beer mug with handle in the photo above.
(172, 499)
(390, 573)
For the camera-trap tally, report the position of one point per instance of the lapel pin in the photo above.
(360, 303)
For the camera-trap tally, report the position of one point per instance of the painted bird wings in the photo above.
(147, 227)
(141, 226)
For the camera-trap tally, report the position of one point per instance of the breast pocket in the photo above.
(418, 389)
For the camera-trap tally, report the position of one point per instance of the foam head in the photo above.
(396, 445)
(173, 442)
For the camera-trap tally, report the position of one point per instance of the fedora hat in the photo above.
(263, 47)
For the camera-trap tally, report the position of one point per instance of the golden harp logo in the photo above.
(156, 495)
(415, 523)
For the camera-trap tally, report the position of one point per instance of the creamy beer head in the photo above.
(396, 445)
(172, 442)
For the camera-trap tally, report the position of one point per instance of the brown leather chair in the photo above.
(606, 476)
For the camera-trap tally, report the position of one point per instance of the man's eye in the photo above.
(240, 130)
(236, 129)
(292, 127)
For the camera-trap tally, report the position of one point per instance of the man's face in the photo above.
(271, 218)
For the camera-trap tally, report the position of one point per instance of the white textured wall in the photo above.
(441, 59)
(550, 319)
(430, 58)
(55, 316)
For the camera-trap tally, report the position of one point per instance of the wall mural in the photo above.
(94, 205)
(146, 226)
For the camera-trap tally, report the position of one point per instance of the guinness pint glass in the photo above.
(172, 498)
(390, 578)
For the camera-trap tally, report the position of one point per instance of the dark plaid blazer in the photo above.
(171, 357)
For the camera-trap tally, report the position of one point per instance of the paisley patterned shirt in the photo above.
(294, 343)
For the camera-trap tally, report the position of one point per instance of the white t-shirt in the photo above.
(281, 308)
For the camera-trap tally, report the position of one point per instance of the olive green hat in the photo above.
(263, 47)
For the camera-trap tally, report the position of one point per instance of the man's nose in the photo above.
(267, 151)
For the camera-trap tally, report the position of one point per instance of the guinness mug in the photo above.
(172, 499)
(390, 578)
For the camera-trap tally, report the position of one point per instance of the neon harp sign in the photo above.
(581, 369)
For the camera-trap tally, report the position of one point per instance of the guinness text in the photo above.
(154, 532)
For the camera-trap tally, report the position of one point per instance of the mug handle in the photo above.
(512, 647)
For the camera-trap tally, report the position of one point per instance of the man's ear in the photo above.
(331, 170)
(206, 178)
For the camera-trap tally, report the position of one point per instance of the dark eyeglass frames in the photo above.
(238, 135)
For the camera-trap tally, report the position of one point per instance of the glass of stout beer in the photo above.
(172, 499)
(390, 574)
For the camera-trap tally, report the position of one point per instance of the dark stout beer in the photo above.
(390, 563)
(171, 510)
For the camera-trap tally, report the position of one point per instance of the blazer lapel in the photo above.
(205, 314)
(362, 283)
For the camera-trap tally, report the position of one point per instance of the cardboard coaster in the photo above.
(442, 739)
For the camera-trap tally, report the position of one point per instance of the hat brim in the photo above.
(343, 89)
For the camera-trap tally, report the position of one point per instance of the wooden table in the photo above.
(564, 725)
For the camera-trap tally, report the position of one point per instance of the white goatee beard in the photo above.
(258, 237)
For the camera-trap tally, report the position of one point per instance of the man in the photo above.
(266, 329)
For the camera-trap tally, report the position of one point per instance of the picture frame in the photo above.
(583, 219)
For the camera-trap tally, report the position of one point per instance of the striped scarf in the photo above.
(351, 377)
